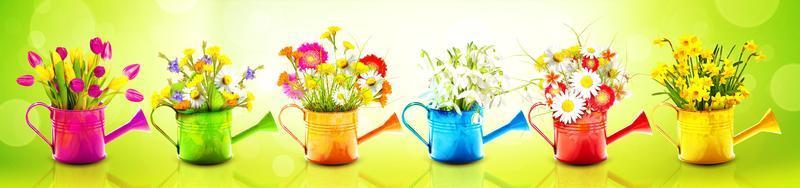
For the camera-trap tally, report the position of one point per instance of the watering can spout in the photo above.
(767, 124)
(517, 124)
(267, 123)
(391, 124)
(640, 124)
(138, 123)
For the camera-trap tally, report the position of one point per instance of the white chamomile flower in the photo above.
(341, 96)
(226, 80)
(371, 80)
(590, 52)
(568, 107)
(195, 98)
(585, 83)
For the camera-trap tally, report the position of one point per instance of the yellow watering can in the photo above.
(706, 137)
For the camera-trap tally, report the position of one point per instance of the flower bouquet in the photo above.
(459, 90)
(203, 95)
(79, 90)
(704, 85)
(581, 83)
(330, 88)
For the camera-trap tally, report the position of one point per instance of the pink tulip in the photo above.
(76, 85)
(131, 71)
(34, 59)
(62, 52)
(99, 71)
(134, 96)
(96, 45)
(106, 55)
(25, 80)
(94, 91)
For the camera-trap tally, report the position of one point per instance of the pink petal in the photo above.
(94, 91)
(134, 96)
(131, 71)
(25, 80)
(34, 59)
(96, 45)
(107, 51)
(62, 52)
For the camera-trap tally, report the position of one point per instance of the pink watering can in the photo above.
(79, 135)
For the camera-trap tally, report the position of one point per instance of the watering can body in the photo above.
(584, 141)
(332, 137)
(79, 135)
(706, 137)
(205, 137)
(458, 137)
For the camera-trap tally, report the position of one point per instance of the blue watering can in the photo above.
(458, 138)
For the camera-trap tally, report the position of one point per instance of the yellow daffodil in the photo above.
(155, 99)
(744, 91)
(711, 68)
(361, 68)
(367, 96)
(165, 92)
(751, 46)
(760, 56)
(348, 46)
(540, 64)
(117, 83)
(188, 52)
(341, 63)
(660, 41)
(334, 29)
(183, 62)
(311, 83)
(339, 79)
(707, 54)
(326, 69)
(213, 51)
(325, 35)
(224, 60)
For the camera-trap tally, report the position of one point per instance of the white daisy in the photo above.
(371, 80)
(555, 60)
(590, 52)
(585, 83)
(226, 80)
(195, 98)
(568, 107)
(341, 96)
(617, 74)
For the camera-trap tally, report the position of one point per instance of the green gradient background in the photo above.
(252, 32)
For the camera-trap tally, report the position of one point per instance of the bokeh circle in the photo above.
(747, 13)
(784, 88)
(16, 132)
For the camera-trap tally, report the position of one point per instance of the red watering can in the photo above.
(584, 142)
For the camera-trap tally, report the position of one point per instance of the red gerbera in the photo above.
(375, 62)
(603, 100)
(590, 63)
(554, 89)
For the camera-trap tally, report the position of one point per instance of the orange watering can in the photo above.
(331, 138)
(706, 137)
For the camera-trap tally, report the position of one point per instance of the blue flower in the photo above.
(250, 74)
(173, 66)
(177, 96)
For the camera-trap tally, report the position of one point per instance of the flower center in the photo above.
(568, 106)
(226, 80)
(602, 98)
(195, 94)
(371, 81)
(586, 81)
(590, 50)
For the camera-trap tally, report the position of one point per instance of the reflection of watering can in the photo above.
(707, 137)
(585, 141)
(458, 138)
(689, 175)
(79, 135)
(331, 138)
(205, 137)
(90, 175)
(584, 176)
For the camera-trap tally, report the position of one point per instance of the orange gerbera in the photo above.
(183, 105)
(283, 78)
(286, 51)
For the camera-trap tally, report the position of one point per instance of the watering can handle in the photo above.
(661, 131)
(537, 128)
(153, 121)
(33, 127)
(405, 123)
(280, 121)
